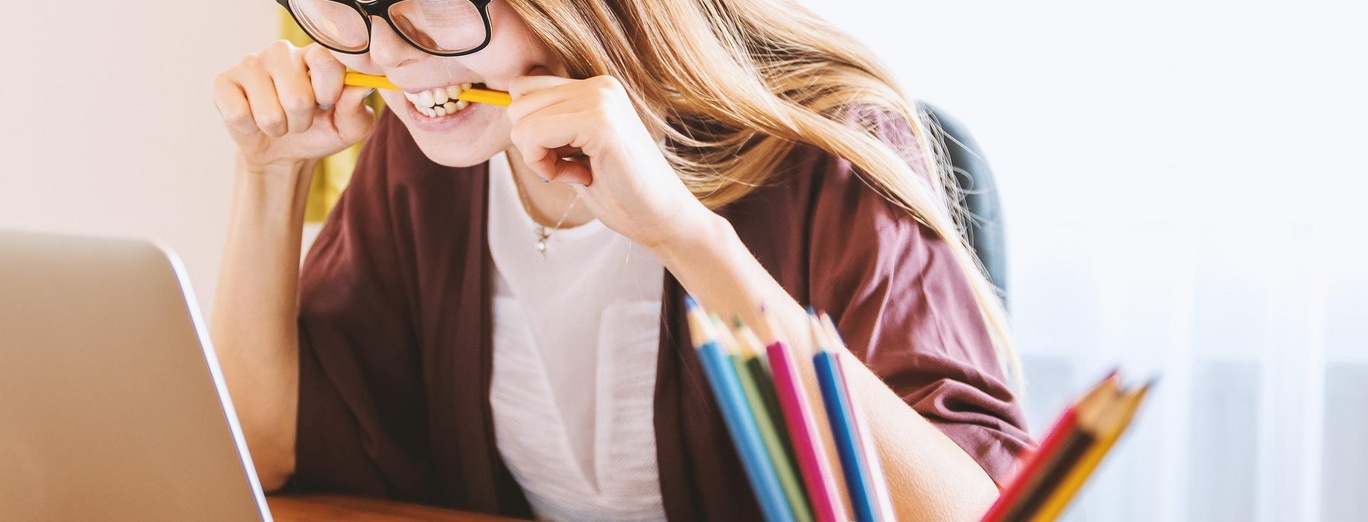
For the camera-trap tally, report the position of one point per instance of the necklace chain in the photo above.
(541, 232)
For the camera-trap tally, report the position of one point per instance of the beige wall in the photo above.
(108, 127)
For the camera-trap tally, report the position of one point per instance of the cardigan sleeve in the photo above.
(906, 309)
(360, 419)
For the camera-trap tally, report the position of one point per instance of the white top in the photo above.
(576, 335)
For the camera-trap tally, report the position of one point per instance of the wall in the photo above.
(109, 128)
(1183, 184)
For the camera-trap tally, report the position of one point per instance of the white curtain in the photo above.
(1186, 194)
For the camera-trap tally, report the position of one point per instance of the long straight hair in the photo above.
(738, 84)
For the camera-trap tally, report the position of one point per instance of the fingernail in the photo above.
(543, 180)
(325, 106)
(368, 93)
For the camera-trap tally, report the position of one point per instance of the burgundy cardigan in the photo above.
(395, 345)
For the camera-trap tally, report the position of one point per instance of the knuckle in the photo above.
(238, 117)
(606, 83)
(296, 103)
(320, 57)
(281, 45)
(270, 122)
(244, 123)
(516, 86)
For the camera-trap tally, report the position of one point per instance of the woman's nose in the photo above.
(387, 48)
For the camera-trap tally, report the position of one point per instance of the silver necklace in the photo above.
(541, 232)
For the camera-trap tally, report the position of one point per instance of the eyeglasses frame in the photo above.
(381, 8)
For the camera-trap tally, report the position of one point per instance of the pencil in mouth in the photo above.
(446, 98)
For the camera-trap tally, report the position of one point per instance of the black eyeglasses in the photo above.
(439, 27)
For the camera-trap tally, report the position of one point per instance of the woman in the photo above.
(492, 322)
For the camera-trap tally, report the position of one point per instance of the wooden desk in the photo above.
(321, 508)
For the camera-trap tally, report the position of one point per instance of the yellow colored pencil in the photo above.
(1114, 427)
(485, 96)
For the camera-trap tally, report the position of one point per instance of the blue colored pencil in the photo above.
(840, 415)
(874, 474)
(736, 414)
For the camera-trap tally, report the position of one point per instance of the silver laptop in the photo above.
(112, 405)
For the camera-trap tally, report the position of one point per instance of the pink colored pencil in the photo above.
(812, 458)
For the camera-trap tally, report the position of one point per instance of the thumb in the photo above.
(352, 117)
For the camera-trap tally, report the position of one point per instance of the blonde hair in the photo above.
(738, 84)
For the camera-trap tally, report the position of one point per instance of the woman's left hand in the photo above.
(623, 177)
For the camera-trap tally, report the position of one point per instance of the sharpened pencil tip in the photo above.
(1153, 381)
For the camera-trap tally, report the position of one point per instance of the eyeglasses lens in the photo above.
(441, 26)
(444, 26)
(333, 24)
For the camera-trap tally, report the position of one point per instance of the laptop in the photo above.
(112, 404)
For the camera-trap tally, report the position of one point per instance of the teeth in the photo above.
(441, 101)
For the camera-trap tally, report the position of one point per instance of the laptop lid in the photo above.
(112, 404)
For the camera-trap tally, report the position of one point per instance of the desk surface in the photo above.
(320, 508)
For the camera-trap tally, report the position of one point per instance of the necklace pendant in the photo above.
(542, 236)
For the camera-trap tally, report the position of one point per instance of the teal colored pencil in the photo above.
(738, 418)
(780, 456)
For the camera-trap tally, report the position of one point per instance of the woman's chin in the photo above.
(456, 149)
(444, 155)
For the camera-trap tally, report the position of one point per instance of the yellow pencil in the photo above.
(485, 96)
(1123, 410)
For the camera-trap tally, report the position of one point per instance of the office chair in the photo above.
(984, 230)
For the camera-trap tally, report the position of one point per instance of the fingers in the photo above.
(554, 117)
(553, 165)
(573, 170)
(325, 73)
(546, 137)
(277, 91)
(352, 117)
(264, 103)
(232, 105)
(534, 93)
(294, 90)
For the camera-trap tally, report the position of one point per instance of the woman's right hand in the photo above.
(286, 105)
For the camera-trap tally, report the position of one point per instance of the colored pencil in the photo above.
(736, 414)
(883, 501)
(1012, 505)
(1108, 432)
(485, 96)
(754, 379)
(855, 469)
(802, 427)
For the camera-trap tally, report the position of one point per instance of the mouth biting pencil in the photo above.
(485, 96)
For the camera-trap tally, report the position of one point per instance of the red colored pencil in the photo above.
(1030, 474)
(812, 458)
